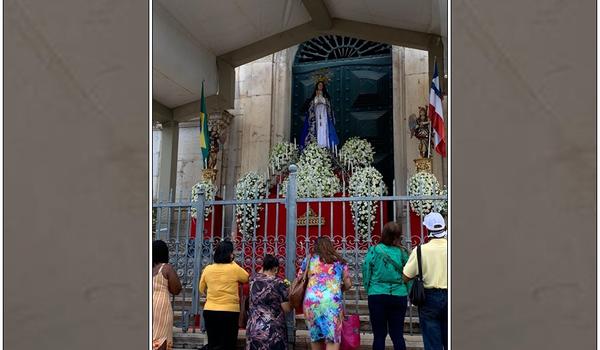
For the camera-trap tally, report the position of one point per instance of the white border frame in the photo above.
(150, 84)
(2, 178)
(449, 157)
(597, 177)
(449, 175)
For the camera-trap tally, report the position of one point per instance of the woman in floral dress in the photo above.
(328, 277)
(266, 329)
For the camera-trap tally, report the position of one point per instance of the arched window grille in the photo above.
(333, 47)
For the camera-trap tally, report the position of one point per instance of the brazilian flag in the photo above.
(204, 134)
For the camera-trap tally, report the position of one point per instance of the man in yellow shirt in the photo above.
(433, 314)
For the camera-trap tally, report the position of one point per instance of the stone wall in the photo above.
(262, 117)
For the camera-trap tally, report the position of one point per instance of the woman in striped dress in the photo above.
(164, 283)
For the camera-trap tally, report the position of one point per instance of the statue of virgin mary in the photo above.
(319, 122)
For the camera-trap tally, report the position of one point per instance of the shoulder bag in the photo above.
(417, 292)
(298, 288)
(389, 259)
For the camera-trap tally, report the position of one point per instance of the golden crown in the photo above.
(322, 76)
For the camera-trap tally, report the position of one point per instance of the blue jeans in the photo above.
(386, 313)
(433, 315)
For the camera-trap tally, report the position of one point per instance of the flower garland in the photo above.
(315, 174)
(356, 153)
(250, 187)
(365, 182)
(422, 184)
(441, 206)
(209, 195)
(282, 156)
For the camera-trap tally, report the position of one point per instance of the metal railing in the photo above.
(191, 250)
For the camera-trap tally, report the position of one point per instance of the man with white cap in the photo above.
(433, 314)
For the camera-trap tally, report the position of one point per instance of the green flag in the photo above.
(204, 134)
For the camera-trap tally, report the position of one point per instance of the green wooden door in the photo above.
(361, 97)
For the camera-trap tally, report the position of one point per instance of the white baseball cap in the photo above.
(434, 222)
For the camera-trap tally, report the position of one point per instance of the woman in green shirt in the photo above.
(387, 291)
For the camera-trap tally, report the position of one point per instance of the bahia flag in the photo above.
(204, 134)
(436, 114)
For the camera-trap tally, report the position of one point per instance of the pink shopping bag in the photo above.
(350, 333)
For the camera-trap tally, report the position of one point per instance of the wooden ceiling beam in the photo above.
(307, 31)
(319, 13)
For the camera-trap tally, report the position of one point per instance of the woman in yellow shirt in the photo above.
(220, 282)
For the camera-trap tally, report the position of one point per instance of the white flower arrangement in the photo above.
(210, 191)
(315, 155)
(250, 187)
(365, 182)
(423, 184)
(315, 174)
(282, 156)
(356, 153)
(441, 206)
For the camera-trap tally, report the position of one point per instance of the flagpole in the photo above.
(429, 155)
(436, 98)
(442, 101)
(428, 106)
(204, 161)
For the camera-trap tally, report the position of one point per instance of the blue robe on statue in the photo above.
(319, 126)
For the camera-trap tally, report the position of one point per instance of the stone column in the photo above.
(167, 165)
(416, 94)
(281, 115)
(399, 119)
(255, 80)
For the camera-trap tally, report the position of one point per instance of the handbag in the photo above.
(298, 288)
(350, 333)
(350, 330)
(417, 292)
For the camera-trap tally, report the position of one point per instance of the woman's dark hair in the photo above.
(270, 262)
(160, 252)
(223, 252)
(326, 252)
(312, 97)
(391, 234)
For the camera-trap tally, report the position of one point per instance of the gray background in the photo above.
(76, 175)
(523, 174)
